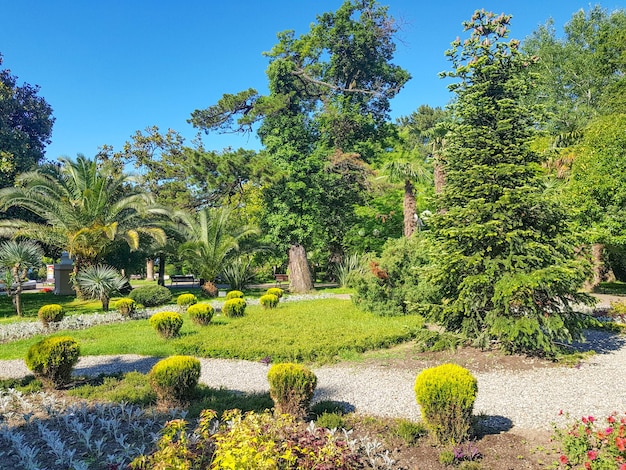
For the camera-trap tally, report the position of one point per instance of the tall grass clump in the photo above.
(446, 396)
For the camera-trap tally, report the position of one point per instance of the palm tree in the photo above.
(17, 257)
(211, 238)
(85, 205)
(100, 282)
(408, 172)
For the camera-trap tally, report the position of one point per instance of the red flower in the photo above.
(622, 466)
(592, 455)
(563, 459)
(611, 419)
(620, 442)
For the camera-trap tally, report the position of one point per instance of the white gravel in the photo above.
(525, 400)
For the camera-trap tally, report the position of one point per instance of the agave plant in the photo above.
(100, 282)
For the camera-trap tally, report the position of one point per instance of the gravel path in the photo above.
(523, 400)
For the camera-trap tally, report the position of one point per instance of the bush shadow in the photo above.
(491, 424)
(116, 365)
(600, 341)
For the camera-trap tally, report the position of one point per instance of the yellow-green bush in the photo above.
(234, 307)
(50, 313)
(291, 388)
(167, 324)
(174, 379)
(268, 301)
(185, 300)
(234, 294)
(126, 306)
(201, 314)
(52, 359)
(277, 291)
(446, 396)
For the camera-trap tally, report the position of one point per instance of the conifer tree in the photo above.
(508, 269)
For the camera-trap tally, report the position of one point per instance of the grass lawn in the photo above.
(33, 301)
(308, 331)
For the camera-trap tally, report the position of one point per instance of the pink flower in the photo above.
(622, 466)
(563, 459)
(591, 419)
(611, 419)
(592, 455)
(584, 420)
(608, 431)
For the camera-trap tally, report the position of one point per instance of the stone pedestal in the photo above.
(62, 271)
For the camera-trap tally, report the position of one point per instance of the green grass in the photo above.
(32, 301)
(613, 288)
(308, 331)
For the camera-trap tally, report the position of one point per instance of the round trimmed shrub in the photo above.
(126, 306)
(50, 313)
(185, 300)
(167, 324)
(277, 291)
(446, 396)
(268, 301)
(234, 307)
(151, 296)
(291, 388)
(52, 359)
(173, 379)
(234, 294)
(201, 314)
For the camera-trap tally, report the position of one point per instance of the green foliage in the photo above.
(174, 379)
(291, 387)
(185, 300)
(50, 313)
(507, 268)
(348, 271)
(395, 284)
(201, 313)
(446, 396)
(100, 282)
(131, 387)
(17, 257)
(277, 291)
(167, 324)
(428, 340)
(234, 294)
(330, 420)
(126, 306)
(268, 301)
(234, 307)
(151, 296)
(409, 431)
(52, 359)
(238, 273)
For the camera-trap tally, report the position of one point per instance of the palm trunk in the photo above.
(105, 303)
(410, 217)
(161, 280)
(150, 269)
(17, 298)
(300, 280)
(439, 176)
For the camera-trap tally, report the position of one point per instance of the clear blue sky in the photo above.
(111, 67)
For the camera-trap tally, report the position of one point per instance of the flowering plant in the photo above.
(593, 444)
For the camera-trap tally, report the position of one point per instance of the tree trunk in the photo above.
(17, 298)
(161, 280)
(410, 217)
(601, 272)
(150, 269)
(300, 280)
(105, 303)
(439, 176)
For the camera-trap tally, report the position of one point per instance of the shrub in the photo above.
(151, 296)
(234, 307)
(52, 359)
(185, 300)
(168, 324)
(234, 294)
(409, 431)
(174, 379)
(126, 306)
(277, 291)
(291, 388)
(201, 314)
(446, 396)
(50, 313)
(269, 301)
(210, 289)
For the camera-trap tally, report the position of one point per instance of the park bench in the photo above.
(182, 278)
(280, 278)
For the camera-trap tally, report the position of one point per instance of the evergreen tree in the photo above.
(508, 270)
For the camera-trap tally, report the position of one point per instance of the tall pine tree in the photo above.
(508, 269)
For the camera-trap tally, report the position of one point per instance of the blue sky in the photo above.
(109, 68)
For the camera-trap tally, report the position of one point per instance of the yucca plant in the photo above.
(17, 257)
(100, 282)
(348, 269)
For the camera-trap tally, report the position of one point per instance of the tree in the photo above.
(17, 257)
(210, 239)
(25, 127)
(508, 269)
(325, 117)
(85, 207)
(100, 282)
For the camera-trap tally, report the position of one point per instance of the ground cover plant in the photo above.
(319, 330)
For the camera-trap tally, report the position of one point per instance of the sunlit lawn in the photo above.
(306, 331)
